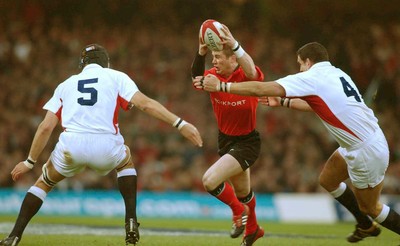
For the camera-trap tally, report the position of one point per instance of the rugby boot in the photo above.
(359, 234)
(132, 232)
(239, 222)
(249, 239)
(10, 241)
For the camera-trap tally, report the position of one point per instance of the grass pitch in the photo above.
(89, 231)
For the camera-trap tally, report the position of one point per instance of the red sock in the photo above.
(228, 197)
(251, 225)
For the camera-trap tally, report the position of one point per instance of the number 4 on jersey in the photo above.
(349, 91)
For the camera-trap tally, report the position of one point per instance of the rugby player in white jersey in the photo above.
(87, 106)
(363, 153)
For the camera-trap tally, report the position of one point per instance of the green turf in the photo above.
(279, 234)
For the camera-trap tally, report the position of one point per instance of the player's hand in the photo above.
(227, 37)
(202, 46)
(208, 83)
(18, 170)
(198, 82)
(195, 83)
(270, 101)
(211, 83)
(263, 100)
(190, 132)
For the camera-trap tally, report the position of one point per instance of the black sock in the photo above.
(348, 200)
(30, 206)
(217, 190)
(392, 221)
(247, 198)
(127, 187)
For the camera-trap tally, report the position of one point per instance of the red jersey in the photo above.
(236, 114)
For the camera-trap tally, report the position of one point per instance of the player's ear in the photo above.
(309, 63)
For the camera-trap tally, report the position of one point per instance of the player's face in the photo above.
(304, 65)
(221, 63)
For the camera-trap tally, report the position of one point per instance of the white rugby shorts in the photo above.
(368, 161)
(76, 151)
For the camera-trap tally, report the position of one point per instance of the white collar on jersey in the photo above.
(321, 64)
(91, 65)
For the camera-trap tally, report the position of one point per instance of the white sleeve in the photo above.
(298, 85)
(127, 87)
(55, 103)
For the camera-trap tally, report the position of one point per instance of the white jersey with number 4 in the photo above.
(334, 97)
(89, 101)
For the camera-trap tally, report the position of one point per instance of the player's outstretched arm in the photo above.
(42, 135)
(293, 103)
(157, 110)
(250, 88)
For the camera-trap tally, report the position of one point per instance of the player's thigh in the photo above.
(223, 169)
(127, 162)
(334, 172)
(49, 178)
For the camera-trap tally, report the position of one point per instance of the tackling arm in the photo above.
(254, 88)
(299, 104)
(249, 88)
(269, 89)
(157, 110)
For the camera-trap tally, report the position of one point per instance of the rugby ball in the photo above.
(210, 32)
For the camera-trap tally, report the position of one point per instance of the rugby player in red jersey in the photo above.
(228, 179)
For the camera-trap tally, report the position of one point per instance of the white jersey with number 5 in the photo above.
(89, 101)
(334, 97)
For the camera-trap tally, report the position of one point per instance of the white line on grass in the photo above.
(52, 229)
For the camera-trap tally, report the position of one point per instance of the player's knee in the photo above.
(208, 182)
(46, 179)
(43, 185)
(327, 183)
(322, 181)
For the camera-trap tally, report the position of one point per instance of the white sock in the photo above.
(127, 172)
(383, 215)
(339, 191)
(38, 192)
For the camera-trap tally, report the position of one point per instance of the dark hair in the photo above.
(314, 51)
(94, 53)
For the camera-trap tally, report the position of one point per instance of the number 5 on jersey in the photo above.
(84, 87)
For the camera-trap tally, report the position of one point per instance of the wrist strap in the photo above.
(28, 164)
(282, 100)
(182, 124)
(237, 46)
(224, 86)
(288, 103)
(179, 123)
(238, 50)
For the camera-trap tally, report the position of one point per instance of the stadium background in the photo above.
(155, 42)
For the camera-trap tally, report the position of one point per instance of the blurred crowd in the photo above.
(155, 42)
